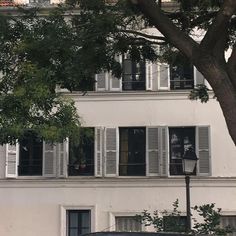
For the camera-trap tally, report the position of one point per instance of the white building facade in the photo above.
(139, 128)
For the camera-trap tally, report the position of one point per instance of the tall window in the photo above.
(175, 223)
(127, 224)
(133, 75)
(132, 151)
(78, 222)
(81, 153)
(181, 139)
(181, 75)
(30, 158)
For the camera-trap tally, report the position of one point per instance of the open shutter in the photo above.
(163, 144)
(12, 158)
(111, 152)
(149, 75)
(49, 160)
(152, 151)
(203, 149)
(98, 151)
(164, 77)
(101, 81)
(62, 158)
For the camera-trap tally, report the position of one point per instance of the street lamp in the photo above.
(189, 163)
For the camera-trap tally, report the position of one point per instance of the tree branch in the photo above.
(154, 14)
(144, 35)
(221, 21)
(231, 65)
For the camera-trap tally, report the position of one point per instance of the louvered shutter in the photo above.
(62, 158)
(49, 160)
(101, 81)
(149, 75)
(164, 77)
(163, 143)
(12, 158)
(98, 151)
(111, 152)
(203, 150)
(152, 151)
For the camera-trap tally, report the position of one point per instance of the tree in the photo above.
(68, 49)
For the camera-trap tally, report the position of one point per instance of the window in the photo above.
(127, 224)
(181, 76)
(81, 153)
(175, 223)
(229, 221)
(78, 222)
(30, 156)
(180, 140)
(133, 75)
(132, 151)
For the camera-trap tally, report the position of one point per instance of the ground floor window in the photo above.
(132, 151)
(127, 224)
(78, 222)
(175, 223)
(180, 140)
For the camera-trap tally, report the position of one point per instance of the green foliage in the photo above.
(200, 92)
(171, 221)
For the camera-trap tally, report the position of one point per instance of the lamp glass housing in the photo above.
(189, 165)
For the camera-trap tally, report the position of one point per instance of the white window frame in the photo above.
(63, 217)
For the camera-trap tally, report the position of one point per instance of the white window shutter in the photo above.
(49, 160)
(62, 158)
(12, 159)
(149, 75)
(101, 81)
(164, 153)
(152, 151)
(203, 150)
(98, 151)
(164, 76)
(111, 152)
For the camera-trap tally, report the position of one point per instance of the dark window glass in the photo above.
(175, 223)
(30, 159)
(81, 153)
(78, 222)
(181, 139)
(181, 76)
(133, 75)
(132, 152)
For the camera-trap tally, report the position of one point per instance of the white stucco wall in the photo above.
(34, 208)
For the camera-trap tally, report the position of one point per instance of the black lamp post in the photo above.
(189, 163)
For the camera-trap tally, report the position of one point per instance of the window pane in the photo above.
(181, 75)
(31, 153)
(127, 224)
(133, 75)
(81, 153)
(181, 139)
(132, 151)
(78, 222)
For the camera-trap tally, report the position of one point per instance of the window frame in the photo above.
(63, 217)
